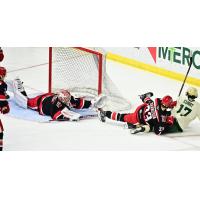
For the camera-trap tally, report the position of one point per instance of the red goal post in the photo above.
(83, 71)
(100, 57)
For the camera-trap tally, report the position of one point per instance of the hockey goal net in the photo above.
(82, 71)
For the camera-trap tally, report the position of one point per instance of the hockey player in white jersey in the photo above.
(186, 110)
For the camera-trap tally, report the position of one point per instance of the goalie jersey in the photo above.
(186, 111)
(49, 104)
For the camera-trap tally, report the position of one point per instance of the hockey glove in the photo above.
(170, 120)
(99, 102)
(72, 116)
(173, 104)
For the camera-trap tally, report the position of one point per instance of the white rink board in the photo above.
(143, 55)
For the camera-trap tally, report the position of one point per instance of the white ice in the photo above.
(88, 134)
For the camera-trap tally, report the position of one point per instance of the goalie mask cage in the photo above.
(82, 71)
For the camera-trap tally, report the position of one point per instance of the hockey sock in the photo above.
(115, 116)
(1, 141)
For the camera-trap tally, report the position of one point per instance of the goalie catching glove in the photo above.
(99, 102)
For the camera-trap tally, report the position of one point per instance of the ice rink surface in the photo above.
(91, 134)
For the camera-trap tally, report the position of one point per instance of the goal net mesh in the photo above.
(78, 71)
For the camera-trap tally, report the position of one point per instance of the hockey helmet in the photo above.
(192, 93)
(64, 96)
(166, 101)
(3, 72)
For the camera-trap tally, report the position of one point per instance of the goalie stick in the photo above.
(67, 120)
(140, 129)
(134, 129)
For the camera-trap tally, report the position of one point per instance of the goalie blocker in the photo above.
(56, 105)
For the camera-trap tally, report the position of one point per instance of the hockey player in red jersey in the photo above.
(150, 116)
(1, 55)
(4, 106)
(56, 105)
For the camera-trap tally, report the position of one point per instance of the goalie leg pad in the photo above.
(20, 99)
(10, 85)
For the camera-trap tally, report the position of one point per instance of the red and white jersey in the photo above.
(49, 104)
(186, 111)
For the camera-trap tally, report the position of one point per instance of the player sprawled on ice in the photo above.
(149, 116)
(186, 110)
(56, 105)
(4, 106)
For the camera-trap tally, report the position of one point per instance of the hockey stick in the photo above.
(67, 120)
(190, 65)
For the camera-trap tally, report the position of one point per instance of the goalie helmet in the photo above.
(167, 101)
(64, 96)
(191, 93)
(2, 72)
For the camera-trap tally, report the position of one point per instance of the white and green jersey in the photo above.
(186, 111)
